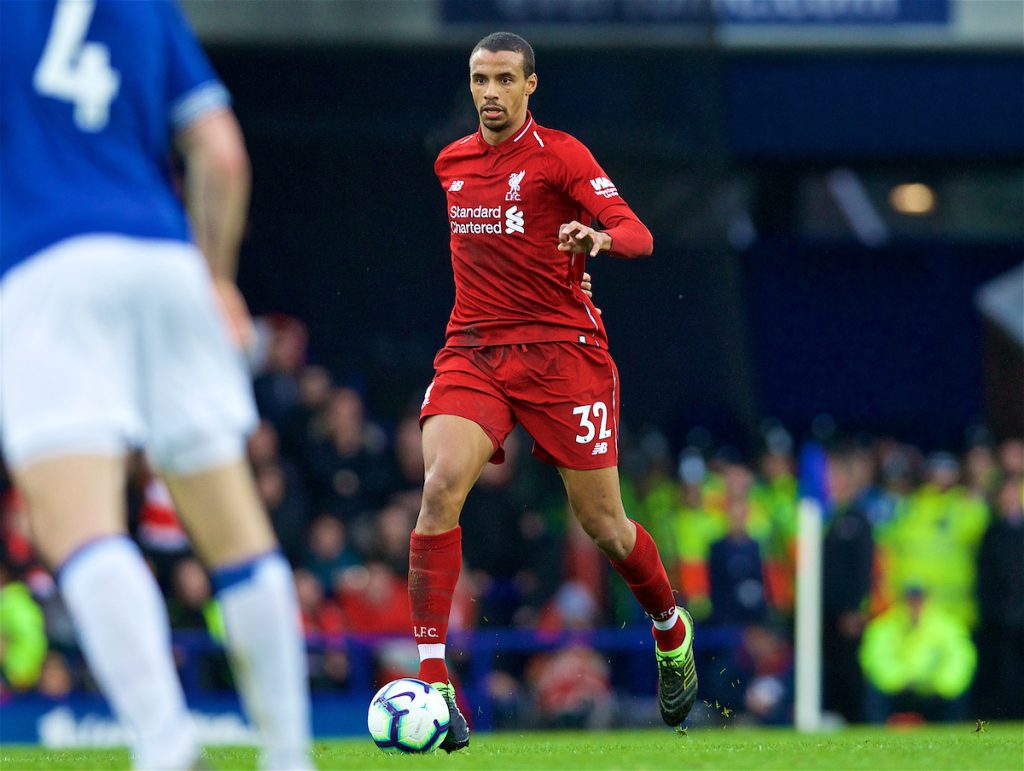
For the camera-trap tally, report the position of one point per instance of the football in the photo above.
(408, 715)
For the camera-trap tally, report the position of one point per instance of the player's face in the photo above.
(501, 91)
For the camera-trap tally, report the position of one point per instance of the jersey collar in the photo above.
(510, 144)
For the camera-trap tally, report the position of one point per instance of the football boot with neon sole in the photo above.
(458, 728)
(677, 678)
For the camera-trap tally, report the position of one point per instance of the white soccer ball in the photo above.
(408, 715)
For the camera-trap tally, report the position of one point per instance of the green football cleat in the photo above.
(677, 678)
(458, 729)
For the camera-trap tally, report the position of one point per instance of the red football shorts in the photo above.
(565, 395)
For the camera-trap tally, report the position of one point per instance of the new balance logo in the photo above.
(514, 181)
(514, 220)
(604, 187)
(455, 186)
(600, 448)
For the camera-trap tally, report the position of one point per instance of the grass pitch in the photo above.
(933, 747)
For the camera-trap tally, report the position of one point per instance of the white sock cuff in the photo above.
(95, 555)
(431, 651)
(668, 622)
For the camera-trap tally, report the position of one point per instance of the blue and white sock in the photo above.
(268, 655)
(124, 634)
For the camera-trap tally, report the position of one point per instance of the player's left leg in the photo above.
(199, 408)
(76, 509)
(596, 500)
(254, 587)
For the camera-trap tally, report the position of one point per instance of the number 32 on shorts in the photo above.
(599, 411)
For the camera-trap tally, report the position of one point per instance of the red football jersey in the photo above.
(505, 205)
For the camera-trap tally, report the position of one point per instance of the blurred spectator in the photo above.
(847, 560)
(328, 553)
(1001, 599)
(191, 604)
(776, 493)
(321, 615)
(571, 688)
(541, 568)
(322, 618)
(757, 682)
(981, 472)
(276, 386)
(159, 529)
(374, 599)
(737, 572)
(694, 529)
(917, 658)
(492, 540)
(22, 633)
(934, 539)
(282, 490)
(393, 524)
(347, 458)
(14, 528)
(409, 453)
(573, 607)
(192, 608)
(766, 672)
(314, 391)
(56, 679)
(1011, 458)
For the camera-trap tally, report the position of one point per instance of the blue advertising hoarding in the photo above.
(640, 12)
(85, 720)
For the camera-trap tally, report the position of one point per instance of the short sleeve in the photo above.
(580, 176)
(193, 88)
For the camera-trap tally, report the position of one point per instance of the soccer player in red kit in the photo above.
(526, 345)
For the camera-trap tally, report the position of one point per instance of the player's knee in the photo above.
(608, 535)
(442, 502)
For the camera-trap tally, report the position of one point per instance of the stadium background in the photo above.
(764, 143)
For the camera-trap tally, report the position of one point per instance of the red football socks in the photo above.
(643, 571)
(434, 563)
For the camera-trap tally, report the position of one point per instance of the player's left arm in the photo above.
(624, 235)
(580, 176)
(217, 172)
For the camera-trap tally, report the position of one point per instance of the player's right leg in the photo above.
(200, 408)
(67, 348)
(455, 451)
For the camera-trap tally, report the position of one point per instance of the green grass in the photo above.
(932, 747)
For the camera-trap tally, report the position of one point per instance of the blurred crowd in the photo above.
(923, 556)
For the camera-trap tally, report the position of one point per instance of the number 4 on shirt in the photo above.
(77, 71)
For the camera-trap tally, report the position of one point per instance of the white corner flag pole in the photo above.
(808, 616)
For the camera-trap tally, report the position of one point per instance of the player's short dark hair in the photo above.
(509, 41)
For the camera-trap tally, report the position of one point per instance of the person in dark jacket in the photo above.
(847, 559)
(1001, 600)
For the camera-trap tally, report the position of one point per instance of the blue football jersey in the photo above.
(91, 95)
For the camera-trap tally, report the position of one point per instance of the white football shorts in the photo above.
(109, 342)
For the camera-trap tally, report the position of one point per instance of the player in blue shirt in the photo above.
(116, 316)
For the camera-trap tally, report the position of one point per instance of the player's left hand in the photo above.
(235, 312)
(588, 289)
(578, 238)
